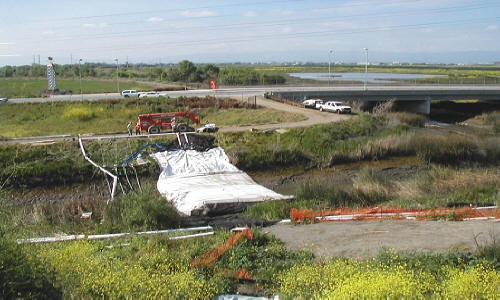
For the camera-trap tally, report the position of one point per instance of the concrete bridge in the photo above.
(415, 99)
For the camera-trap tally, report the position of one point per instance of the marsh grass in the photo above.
(140, 210)
(17, 88)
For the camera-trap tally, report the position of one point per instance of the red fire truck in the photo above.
(170, 121)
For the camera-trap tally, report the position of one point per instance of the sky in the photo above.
(154, 31)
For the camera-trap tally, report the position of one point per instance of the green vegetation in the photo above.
(144, 209)
(392, 277)
(19, 88)
(21, 273)
(112, 116)
(449, 168)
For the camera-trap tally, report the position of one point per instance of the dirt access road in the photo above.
(313, 117)
(361, 239)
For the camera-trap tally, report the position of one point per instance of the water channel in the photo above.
(361, 77)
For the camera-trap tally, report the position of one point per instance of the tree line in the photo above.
(184, 72)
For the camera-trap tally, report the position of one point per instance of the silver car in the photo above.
(4, 100)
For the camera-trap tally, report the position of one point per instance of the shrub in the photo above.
(415, 120)
(145, 209)
(451, 149)
(22, 275)
(86, 270)
(79, 113)
(478, 282)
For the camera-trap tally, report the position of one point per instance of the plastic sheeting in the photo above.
(192, 180)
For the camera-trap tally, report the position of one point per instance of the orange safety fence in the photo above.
(212, 255)
(395, 213)
(240, 274)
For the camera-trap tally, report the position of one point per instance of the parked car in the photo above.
(149, 95)
(4, 100)
(312, 103)
(130, 93)
(336, 107)
(210, 127)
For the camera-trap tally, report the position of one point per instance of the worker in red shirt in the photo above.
(138, 128)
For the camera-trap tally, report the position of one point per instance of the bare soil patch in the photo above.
(366, 239)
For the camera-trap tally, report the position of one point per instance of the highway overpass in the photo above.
(416, 98)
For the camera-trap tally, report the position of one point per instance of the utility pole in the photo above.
(80, 69)
(329, 71)
(117, 82)
(366, 65)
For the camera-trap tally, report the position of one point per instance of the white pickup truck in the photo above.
(130, 93)
(336, 107)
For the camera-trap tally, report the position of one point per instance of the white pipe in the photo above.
(486, 207)
(132, 137)
(175, 230)
(107, 236)
(191, 235)
(52, 239)
(115, 178)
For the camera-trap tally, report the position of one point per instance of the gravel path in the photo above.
(313, 117)
(366, 239)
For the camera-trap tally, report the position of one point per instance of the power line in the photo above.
(291, 35)
(265, 24)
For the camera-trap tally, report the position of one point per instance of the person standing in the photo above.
(129, 128)
(138, 128)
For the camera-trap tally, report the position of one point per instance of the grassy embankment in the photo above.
(112, 116)
(460, 166)
(26, 88)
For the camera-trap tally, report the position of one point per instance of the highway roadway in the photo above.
(244, 92)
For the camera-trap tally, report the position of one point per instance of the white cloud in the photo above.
(48, 32)
(492, 27)
(197, 14)
(154, 19)
(250, 14)
(286, 29)
(95, 25)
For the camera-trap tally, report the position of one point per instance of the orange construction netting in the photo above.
(385, 212)
(212, 255)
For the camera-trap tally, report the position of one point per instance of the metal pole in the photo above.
(117, 82)
(329, 62)
(366, 65)
(80, 70)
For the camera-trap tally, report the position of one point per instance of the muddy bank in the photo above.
(286, 181)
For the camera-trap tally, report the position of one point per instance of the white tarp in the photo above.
(192, 179)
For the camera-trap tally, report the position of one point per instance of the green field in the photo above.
(112, 116)
(28, 88)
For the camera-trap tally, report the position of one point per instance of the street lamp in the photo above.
(80, 70)
(366, 65)
(329, 62)
(117, 82)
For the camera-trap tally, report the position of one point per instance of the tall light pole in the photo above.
(80, 70)
(117, 82)
(329, 62)
(366, 65)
